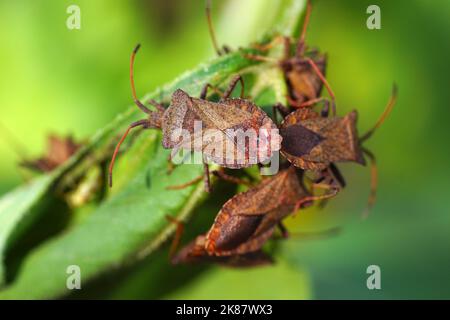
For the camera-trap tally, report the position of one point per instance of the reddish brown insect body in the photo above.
(304, 70)
(313, 142)
(249, 219)
(219, 122)
(59, 150)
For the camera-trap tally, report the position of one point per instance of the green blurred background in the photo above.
(76, 81)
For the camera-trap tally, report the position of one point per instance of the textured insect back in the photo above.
(304, 69)
(227, 132)
(299, 140)
(341, 142)
(312, 142)
(247, 220)
(179, 116)
(303, 82)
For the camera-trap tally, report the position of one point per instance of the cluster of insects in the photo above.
(311, 144)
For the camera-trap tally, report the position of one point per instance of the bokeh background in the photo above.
(76, 81)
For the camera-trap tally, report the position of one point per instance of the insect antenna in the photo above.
(133, 88)
(386, 112)
(373, 182)
(178, 233)
(301, 42)
(143, 123)
(210, 27)
(146, 123)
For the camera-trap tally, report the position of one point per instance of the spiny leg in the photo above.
(204, 92)
(373, 182)
(186, 184)
(145, 123)
(204, 177)
(232, 85)
(305, 200)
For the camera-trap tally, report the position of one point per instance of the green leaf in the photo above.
(131, 223)
(16, 213)
(133, 218)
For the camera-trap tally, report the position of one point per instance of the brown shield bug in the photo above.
(195, 252)
(313, 142)
(234, 132)
(59, 150)
(304, 71)
(248, 219)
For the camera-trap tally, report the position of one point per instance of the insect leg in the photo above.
(186, 184)
(338, 175)
(284, 111)
(222, 175)
(326, 109)
(145, 124)
(322, 77)
(157, 105)
(284, 231)
(178, 233)
(373, 182)
(204, 92)
(333, 191)
(232, 85)
(206, 178)
(332, 172)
